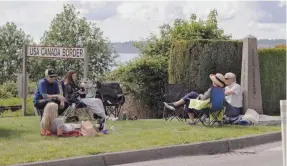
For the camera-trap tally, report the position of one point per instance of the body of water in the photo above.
(124, 57)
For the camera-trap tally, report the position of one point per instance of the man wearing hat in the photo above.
(233, 96)
(48, 91)
(218, 80)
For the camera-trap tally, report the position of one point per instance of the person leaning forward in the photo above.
(48, 91)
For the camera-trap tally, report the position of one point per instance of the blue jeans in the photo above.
(190, 95)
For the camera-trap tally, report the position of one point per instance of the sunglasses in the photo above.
(53, 76)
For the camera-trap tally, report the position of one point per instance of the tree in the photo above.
(181, 30)
(12, 41)
(69, 29)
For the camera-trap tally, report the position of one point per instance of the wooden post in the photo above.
(86, 63)
(283, 113)
(24, 81)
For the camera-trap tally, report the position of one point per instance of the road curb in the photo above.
(203, 148)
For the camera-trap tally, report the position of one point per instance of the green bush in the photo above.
(144, 78)
(10, 89)
(18, 101)
(191, 62)
(273, 78)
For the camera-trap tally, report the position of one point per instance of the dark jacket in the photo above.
(71, 92)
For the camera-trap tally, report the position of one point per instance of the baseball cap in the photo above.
(50, 73)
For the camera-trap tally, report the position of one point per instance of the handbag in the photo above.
(199, 104)
(88, 129)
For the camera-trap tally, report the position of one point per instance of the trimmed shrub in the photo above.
(273, 78)
(10, 89)
(191, 62)
(18, 101)
(145, 79)
(281, 46)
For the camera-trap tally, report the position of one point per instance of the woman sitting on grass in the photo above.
(51, 124)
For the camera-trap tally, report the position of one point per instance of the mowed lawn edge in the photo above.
(21, 142)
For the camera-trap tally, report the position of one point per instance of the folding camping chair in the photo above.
(174, 92)
(216, 109)
(113, 98)
(75, 105)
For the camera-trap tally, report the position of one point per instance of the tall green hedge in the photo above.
(192, 61)
(145, 78)
(273, 78)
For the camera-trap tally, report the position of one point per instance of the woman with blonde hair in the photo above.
(50, 123)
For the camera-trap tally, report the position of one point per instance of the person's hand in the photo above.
(81, 92)
(200, 96)
(61, 98)
(62, 104)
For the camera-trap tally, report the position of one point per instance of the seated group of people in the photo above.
(233, 96)
(48, 98)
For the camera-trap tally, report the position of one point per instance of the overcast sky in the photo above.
(132, 20)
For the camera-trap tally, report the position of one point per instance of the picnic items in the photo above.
(88, 129)
(251, 116)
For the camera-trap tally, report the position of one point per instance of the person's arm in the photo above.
(59, 132)
(60, 125)
(43, 131)
(206, 95)
(43, 91)
(69, 92)
(233, 90)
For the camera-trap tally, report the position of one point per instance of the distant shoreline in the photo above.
(128, 48)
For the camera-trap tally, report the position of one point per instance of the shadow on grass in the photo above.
(10, 134)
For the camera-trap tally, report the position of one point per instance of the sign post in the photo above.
(283, 112)
(24, 81)
(50, 52)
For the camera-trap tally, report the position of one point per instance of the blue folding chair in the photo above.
(216, 110)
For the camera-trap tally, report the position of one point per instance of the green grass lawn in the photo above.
(20, 139)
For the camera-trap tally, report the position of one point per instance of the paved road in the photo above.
(264, 155)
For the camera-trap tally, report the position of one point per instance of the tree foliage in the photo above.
(182, 29)
(69, 29)
(12, 41)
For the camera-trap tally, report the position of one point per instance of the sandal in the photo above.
(191, 123)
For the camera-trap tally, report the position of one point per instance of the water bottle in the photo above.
(124, 116)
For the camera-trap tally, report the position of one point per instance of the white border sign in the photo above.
(55, 52)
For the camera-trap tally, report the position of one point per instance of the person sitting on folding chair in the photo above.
(218, 80)
(233, 96)
(95, 104)
(48, 91)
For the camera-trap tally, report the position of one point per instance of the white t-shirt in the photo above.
(236, 98)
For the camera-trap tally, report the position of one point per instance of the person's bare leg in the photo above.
(191, 117)
(179, 102)
(175, 104)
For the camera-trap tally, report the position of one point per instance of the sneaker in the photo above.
(203, 118)
(169, 105)
(113, 119)
(191, 123)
